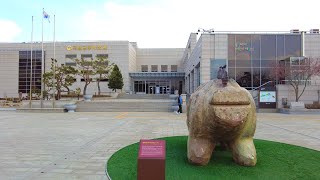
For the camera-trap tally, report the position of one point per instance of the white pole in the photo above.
(54, 58)
(30, 91)
(42, 64)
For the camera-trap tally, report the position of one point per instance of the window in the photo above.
(25, 69)
(83, 80)
(174, 68)
(154, 68)
(144, 68)
(71, 56)
(86, 55)
(102, 56)
(71, 64)
(164, 68)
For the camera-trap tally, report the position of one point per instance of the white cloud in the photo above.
(8, 31)
(168, 23)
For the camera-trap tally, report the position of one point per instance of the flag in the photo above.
(46, 16)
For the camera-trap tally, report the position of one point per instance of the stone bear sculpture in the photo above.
(224, 114)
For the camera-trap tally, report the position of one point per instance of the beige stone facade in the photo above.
(125, 54)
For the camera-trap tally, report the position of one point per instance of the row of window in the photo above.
(25, 80)
(85, 56)
(102, 80)
(154, 68)
(74, 56)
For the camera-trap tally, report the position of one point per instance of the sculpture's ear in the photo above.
(219, 74)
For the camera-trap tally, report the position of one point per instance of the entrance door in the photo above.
(151, 89)
(164, 90)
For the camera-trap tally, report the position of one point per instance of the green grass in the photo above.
(275, 161)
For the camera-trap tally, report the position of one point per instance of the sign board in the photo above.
(151, 160)
(268, 97)
(152, 149)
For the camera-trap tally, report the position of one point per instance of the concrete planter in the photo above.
(87, 97)
(70, 107)
(297, 105)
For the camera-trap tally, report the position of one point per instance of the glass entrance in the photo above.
(151, 90)
(157, 86)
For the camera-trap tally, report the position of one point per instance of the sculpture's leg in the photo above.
(200, 150)
(244, 152)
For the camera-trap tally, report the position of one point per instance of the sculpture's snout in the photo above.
(230, 96)
(231, 105)
(231, 115)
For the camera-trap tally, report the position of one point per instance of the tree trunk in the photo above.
(296, 90)
(59, 94)
(85, 89)
(67, 89)
(98, 87)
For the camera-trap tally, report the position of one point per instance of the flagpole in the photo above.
(30, 91)
(42, 65)
(54, 58)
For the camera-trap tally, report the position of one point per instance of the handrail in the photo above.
(262, 85)
(254, 89)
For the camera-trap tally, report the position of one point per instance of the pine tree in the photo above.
(102, 67)
(115, 79)
(59, 77)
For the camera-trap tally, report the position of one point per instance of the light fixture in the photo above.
(206, 30)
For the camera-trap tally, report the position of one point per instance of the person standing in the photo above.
(180, 101)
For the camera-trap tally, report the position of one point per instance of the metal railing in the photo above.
(256, 88)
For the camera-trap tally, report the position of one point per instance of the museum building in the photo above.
(248, 56)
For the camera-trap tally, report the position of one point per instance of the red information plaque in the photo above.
(151, 160)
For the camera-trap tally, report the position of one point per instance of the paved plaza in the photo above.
(77, 145)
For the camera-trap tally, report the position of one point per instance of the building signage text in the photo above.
(89, 47)
(243, 47)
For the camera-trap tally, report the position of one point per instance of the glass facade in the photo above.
(25, 69)
(157, 86)
(252, 56)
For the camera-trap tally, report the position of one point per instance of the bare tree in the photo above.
(297, 72)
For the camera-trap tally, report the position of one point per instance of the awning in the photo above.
(157, 75)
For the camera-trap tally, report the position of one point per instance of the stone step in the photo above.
(126, 106)
(143, 96)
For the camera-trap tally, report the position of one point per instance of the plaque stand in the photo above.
(151, 160)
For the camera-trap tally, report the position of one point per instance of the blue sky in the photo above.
(150, 23)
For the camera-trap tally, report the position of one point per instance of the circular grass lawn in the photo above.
(275, 161)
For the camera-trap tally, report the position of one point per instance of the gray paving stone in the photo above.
(77, 146)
